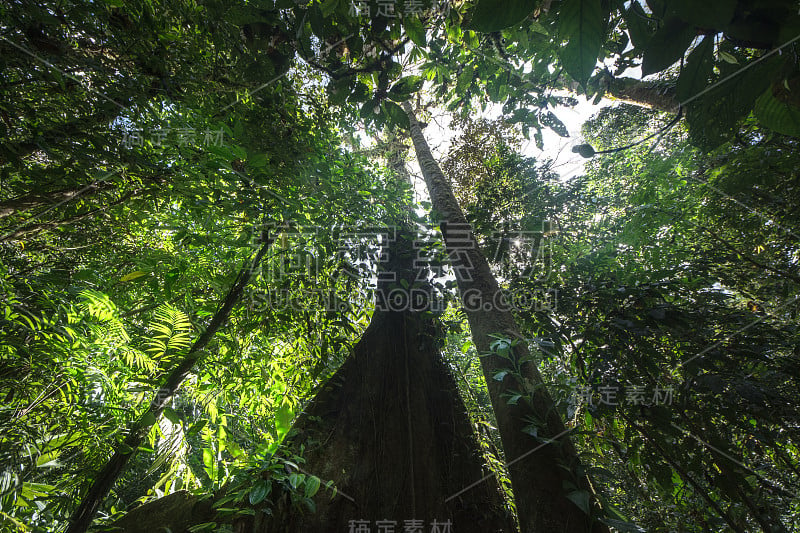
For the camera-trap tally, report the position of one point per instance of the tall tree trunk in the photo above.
(548, 481)
(389, 428)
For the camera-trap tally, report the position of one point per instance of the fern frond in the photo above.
(98, 305)
(134, 357)
(171, 329)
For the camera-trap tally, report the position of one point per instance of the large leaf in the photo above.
(549, 119)
(776, 115)
(415, 30)
(581, 499)
(713, 116)
(171, 330)
(328, 7)
(405, 87)
(259, 491)
(580, 23)
(132, 276)
(339, 90)
(368, 110)
(494, 15)
(312, 486)
(667, 45)
(711, 14)
(283, 419)
(395, 114)
(638, 25)
(697, 70)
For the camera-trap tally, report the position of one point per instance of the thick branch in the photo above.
(651, 94)
(13, 206)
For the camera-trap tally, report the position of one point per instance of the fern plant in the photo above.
(171, 329)
(100, 307)
(110, 332)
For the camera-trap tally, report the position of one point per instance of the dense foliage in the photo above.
(149, 149)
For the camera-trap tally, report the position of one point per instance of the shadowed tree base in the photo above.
(391, 431)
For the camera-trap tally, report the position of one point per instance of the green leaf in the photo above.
(500, 376)
(312, 486)
(170, 331)
(667, 45)
(367, 111)
(132, 276)
(581, 499)
(257, 160)
(514, 399)
(196, 428)
(295, 479)
(728, 58)
(415, 30)
(360, 93)
(713, 117)
(259, 491)
(549, 119)
(697, 70)
(405, 87)
(396, 114)
(209, 460)
(494, 15)
(708, 14)
(327, 7)
(777, 115)
(148, 419)
(463, 81)
(171, 415)
(580, 23)
(283, 418)
(638, 25)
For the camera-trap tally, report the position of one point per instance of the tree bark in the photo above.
(652, 94)
(389, 428)
(541, 479)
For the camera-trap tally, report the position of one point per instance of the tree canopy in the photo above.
(207, 206)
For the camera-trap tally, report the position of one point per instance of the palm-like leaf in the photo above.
(171, 328)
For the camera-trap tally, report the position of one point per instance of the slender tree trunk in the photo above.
(541, 479)
(82, 517)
